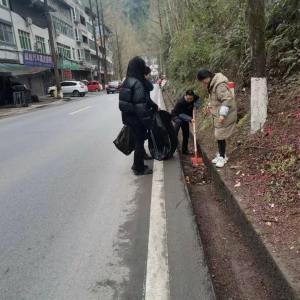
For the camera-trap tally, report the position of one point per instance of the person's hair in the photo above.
(202, 74)
(147, 70)
(190, 93)
(136, 69)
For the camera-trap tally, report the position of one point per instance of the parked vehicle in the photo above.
(76, 88)
(94, 86)
(113, 87)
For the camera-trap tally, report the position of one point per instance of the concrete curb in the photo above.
(281, 283)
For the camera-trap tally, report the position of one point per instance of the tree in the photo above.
(259, 92)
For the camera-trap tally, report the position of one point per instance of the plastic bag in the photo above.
(125, 142)
(163, 139)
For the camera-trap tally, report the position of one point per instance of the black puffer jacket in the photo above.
(133, 102)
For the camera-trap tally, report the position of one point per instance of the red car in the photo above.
(94, 86)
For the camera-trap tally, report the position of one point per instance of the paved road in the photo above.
(76, 224)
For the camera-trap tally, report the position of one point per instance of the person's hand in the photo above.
(158, 108)
(192, 121)
(195, 108)
(208, 109)
(221, 119)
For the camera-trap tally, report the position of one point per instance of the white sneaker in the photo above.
(215, 160)
(221, 162)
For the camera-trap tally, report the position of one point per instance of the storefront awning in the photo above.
(18, 70)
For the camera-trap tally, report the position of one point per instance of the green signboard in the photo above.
(68, 64)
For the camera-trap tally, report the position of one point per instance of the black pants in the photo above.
(185, 132)
(222, 147)
(139, 134)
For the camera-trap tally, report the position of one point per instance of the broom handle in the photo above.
(194, 129)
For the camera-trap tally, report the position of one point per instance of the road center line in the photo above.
(77, 111)
(157, 277)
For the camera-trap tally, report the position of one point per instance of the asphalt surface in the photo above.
(74, 220)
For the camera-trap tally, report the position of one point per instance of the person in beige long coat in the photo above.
(223, 110)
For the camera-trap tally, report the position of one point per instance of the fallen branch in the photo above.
(254, 147)
(272, 221)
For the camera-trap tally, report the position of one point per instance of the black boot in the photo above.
(133, 167)
(187, 152)
(146, 171)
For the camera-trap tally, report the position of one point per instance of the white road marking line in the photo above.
(77, 111)
(157, 277)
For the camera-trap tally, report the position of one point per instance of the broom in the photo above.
(196, 161)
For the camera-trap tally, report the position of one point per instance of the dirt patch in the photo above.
(234, 271)
(264, 171)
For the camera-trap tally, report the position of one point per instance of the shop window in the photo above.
(25, 40)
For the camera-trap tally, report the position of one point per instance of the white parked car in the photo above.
(76, 88)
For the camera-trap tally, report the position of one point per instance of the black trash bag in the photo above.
(163, 139)
(125, 141)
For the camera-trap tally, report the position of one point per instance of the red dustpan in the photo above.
(196, 161)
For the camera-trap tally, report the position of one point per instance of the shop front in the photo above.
(38, 82)
(21, 79)
(71, 70)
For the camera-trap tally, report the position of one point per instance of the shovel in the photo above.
(196, 161)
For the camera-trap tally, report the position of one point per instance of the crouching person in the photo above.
(223, 109)
(182, 115)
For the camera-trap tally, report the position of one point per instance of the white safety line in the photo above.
(157, 277)
(77, 111)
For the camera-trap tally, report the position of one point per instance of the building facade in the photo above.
(24, 41)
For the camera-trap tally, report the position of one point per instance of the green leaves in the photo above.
(136, 10)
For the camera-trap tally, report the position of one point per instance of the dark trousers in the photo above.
(222, 147)
(185, 132)
(138, 130)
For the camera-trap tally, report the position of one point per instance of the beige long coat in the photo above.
(220, 95)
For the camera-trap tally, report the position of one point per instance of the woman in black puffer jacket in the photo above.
(135, 112)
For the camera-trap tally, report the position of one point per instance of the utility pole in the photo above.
(96, 43)
(259, 89)
(119, 53)
(104, 43)
(100, 38)
(119, 58)
(52, 47)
